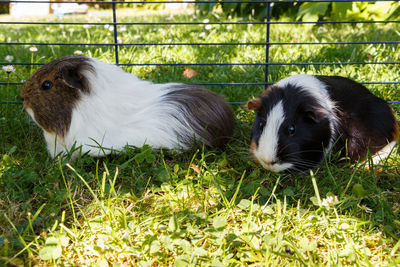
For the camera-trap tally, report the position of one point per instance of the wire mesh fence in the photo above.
(116, 44)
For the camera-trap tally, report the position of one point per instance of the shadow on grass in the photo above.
(30, 178)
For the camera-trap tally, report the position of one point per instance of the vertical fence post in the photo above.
(267, 44)
(115, 32)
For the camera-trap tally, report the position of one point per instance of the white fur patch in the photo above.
(267, 149)
(31, 113)
(55, 144)
(384, 152)
(317, 89)
(122, 109)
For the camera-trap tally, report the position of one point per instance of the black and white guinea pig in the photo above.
(81, 101)
(302, 117)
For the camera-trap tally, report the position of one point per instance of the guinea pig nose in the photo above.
(270, 162)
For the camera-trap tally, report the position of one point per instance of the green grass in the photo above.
(204, 207)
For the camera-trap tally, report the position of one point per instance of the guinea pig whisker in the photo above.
(306, 151)
(303, 161)
(299, 161)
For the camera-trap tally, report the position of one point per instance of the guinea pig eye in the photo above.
(261, 125)
(46, 85)
(291, 130)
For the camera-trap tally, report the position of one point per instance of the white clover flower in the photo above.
(33, 49)
(330, 201)
(47, 28)
(206, 21)
(136, 36)
(86, 26)
(71, 30)
(111, 28)
(8, 69)
(122, 29)
(229, 27)
(202, 34)
(106, 26)
(78, 53)
(9, 58)
(208, 27)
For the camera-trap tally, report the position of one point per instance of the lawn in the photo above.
(204, 207)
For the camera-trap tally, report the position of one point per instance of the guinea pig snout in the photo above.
(24, 97)
(275, 166)
(268, 161)
(24, 100)
(269, 165)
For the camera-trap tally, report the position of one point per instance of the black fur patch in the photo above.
(366, 121)
(304, 148)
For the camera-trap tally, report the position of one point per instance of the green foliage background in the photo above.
(309, 11)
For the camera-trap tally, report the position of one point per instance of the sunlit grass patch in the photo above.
(203, 207)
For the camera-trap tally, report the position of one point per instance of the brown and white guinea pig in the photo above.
(303, 117)
(81, 101)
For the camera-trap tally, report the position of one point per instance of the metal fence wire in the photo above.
(268, 23)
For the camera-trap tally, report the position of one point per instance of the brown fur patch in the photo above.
(254, 104)
(269, 88)
(52, 108)
(253, 146)
(396, 127)
(265, 92)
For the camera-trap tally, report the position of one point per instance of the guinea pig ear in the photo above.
(314, 115)
(254, 104)
(72, 77)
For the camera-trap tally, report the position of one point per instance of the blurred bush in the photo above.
(308, 11)
(4, 8)
(376, 10)
(106, 4)
(257, 10)
(147, 5)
